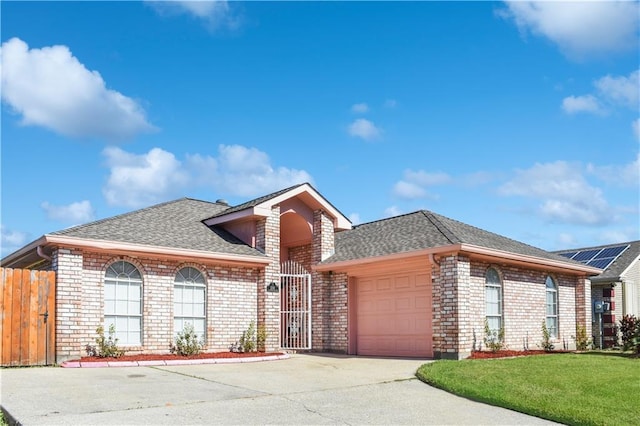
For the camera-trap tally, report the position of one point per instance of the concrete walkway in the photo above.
(301, 390)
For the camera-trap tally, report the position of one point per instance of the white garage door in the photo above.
(394, 315)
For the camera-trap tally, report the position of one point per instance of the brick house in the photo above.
(618, 286)
(415, 285)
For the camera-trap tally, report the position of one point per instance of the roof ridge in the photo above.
(121, 215)
(448, 234)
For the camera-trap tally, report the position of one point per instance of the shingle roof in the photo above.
(175, 224)
(422, 230)
(613, 272)
(254, 202)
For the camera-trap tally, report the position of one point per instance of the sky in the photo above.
(520, 118)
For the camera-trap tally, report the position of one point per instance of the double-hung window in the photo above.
(189, 301)
(552, 307)
(493, 300)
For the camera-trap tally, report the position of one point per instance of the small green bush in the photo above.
(106, 347)
(187, 342)
(248, 339)
(261, 337)
(583, 342)
(546, 338)
(493, 339)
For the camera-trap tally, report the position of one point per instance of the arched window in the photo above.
(189, 301)
(123, 302)
(493, 300)
(552, 307)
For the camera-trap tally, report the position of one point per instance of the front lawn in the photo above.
(594, 388)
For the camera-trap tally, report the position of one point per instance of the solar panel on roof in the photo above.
(585, 255)
(601, 263)
(611, 252)
(568, 255)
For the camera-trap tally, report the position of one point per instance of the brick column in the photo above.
(268, 240)
(583, 304)
(609, 318)
(70, 335)
(322, 302)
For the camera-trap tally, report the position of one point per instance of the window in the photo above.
(552, 307)
(493, 300)
(123, 302)
(189, 301)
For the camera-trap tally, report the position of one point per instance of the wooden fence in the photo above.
(27, 317)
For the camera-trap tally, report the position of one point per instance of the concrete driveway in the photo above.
(302, 390)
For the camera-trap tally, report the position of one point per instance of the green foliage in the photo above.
(106, 347)
(630, 330)
(583, 342)
(556, 387)
(546, 338)
(187, 342)
(248, 339)
(261, 337)
(493, 339)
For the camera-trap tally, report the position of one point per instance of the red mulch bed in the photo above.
(509, 353)
(164, 357)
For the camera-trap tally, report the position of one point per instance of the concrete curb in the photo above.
(78, 364)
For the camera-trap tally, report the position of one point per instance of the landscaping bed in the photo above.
(510, 353)
(169, 357)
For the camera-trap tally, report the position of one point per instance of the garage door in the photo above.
(394, 316)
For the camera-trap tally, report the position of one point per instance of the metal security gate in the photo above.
(295, 306)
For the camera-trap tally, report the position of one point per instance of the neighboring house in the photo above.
(618, 286)
(415, 285)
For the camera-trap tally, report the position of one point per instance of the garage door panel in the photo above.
(394, 316)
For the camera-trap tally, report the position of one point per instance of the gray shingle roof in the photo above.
(422, 230)
(254, 202)
(175, 224)
(613, 272)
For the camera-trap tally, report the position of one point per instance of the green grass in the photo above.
(593, 388)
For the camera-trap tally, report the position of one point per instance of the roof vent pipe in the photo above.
(222, 201)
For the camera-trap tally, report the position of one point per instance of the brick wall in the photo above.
(231, 296)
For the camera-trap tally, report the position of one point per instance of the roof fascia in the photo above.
(522, 259)
(164, 252)
(349, 264)
(248, 213)
(16, 255)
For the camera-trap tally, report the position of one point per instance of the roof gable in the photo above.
(618, 267)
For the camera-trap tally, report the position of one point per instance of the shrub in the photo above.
(261, 337)
(546, 338)
(493, 339)
(248, 339)
(630, 331)
(106, 347)
(187, 342)
(583, 342)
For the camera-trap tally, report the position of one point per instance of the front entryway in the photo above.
(394, 315)
(295, 306)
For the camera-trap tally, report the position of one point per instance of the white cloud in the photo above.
(49, 87)
(360, 108)
(243, 171)
(11, 239)
(392, 211)
(562, 193)
(140, 180)
(216, 14)
(579, 28)
(365, 129)
(414, 183)
(620, 90)
(576, 104)
(76, 213)
(621, 175)
(355, 219)
(565, 241)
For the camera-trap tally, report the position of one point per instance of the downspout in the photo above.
(42, 254)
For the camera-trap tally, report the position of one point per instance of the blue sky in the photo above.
(520, 118)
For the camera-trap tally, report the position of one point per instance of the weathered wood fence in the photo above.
(27, 317)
